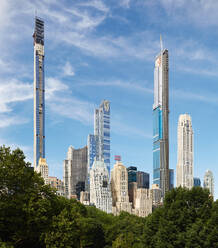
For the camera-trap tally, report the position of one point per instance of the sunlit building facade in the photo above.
(100, 191)
(209, 181)
(184, 172)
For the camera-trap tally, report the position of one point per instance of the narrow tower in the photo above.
(160, 122)
(184, 172)
(39, 92)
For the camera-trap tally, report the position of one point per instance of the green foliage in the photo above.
(32, 215)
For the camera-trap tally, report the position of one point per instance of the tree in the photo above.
(26, 204)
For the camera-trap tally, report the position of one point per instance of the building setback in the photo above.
(39, 92)
(184, 172)
(100, 191)
(160, 122)
(75, 172)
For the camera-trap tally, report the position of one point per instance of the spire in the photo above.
(161, 43)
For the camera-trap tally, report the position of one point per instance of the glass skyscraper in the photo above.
(99, 143)
(160, 122)
(39, 92)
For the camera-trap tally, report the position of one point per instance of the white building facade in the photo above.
(42, 168)
(184, 173)
(100, 192)
(209, 181)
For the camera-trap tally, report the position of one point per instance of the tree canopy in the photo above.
(32, 215)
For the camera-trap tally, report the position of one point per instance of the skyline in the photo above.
(74, 73)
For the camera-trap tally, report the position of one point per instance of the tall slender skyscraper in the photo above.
(184, 172)
(39, 92)
(99, 143)
(160, 122)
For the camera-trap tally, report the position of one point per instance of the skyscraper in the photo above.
(39, 92)
(209, 181)
(99, 143)
(75, 172)
(160, 122)
(100, 190)
(119, 188)
(184, 172)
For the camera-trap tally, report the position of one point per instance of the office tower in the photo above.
(99, 143)
(39, 92)
(197, 182)
(184, 172)
(160, 122)
(119, 188)
(100, 192)
(58, 184)
(142, 179)
(171, 178)
(42, 168)
(75, 172)
(209, 181)
(131, 174)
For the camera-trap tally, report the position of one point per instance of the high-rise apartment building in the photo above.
(119, 188)
(209, 181)
(100, 191)
(42, 168)
(160, 122)
(39, 92)
(99, 143)
(184, 172)
(75, 172)
(142, 179)
(197, 182)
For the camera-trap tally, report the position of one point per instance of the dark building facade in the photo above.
(171, 178)
(142, 179)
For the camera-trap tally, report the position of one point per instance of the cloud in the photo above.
(73, 108)
(97, 4)
(125, 3)
(68, 70)
(6, 120)
(13, 91)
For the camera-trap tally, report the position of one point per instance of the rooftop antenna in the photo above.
(161, 43)
(35, 13)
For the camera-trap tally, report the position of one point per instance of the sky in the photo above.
(105, 49)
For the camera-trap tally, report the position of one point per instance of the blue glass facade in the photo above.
(157, 135)
(197, 182)
(99, 143)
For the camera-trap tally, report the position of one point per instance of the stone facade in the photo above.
(119, 187)
(42, 168)
(100, 192)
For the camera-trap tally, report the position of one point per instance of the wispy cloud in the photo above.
(68, 70)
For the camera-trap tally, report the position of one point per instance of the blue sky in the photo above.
(105, 49)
